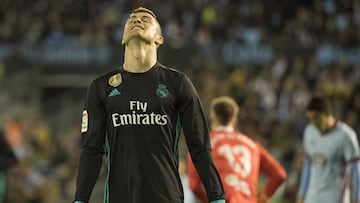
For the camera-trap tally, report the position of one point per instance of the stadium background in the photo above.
(271, 56)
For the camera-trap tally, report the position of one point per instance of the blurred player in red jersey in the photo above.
(238, 159)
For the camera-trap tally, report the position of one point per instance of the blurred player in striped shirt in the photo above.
(238, 159)
(331, 164)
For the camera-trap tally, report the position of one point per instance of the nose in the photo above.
(137, 20)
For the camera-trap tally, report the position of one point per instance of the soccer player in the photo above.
(133, 115)
(238, 159)
(331, 150)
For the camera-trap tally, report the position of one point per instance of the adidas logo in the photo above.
(114, 92)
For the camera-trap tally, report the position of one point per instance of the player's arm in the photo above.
(305, 177)
(196, 133)
(93, 137)
(195, 184)
(355, 179)
(352, 156)
(275, 173)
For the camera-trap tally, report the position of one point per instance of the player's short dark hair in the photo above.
(319, 104)
(224, 109)
(145, 10)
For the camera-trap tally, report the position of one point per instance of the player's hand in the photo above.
(299, 200)
(263, 198)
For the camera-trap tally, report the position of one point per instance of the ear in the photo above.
(159, 40)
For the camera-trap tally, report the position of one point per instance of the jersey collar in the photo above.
(224, 128)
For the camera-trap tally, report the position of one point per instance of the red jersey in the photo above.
(239, 161)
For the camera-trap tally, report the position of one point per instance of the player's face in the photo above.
(142, 26)
(319, 119)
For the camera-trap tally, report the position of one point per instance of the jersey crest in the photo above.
(162, 91)
(319, 158)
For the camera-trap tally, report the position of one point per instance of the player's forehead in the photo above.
(141, 14)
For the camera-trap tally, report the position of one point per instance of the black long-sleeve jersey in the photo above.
(135, 120)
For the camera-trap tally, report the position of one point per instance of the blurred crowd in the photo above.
(204, 22)
(271, 95)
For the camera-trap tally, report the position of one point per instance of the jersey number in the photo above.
(239, 159)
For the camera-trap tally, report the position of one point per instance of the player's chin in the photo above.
(129, 36)
(141, 38)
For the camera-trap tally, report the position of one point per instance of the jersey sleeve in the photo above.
(352, 157)
(350, 146)
(355, 179)
(196, 133)
(93, 137)
(272, 169)
(195, 184)
(305, 177)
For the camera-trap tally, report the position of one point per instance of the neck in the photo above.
(216, 125)
(224, 128)
(139, 57)
(330, 123)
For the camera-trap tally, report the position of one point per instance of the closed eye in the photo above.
(145, 19)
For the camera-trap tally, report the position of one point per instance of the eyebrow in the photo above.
(142, 16)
